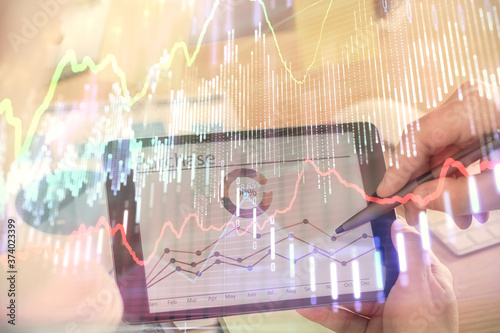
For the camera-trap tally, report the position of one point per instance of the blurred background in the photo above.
(76, 74)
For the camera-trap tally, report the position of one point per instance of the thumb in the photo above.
(393, 180)
(414, 260)
(336, 318)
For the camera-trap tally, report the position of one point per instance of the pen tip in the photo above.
(339, 230)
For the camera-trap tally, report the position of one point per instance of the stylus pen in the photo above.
(466, 156)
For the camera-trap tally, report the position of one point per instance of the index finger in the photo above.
(446, 126)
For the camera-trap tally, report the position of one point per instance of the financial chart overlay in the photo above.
(246, 221)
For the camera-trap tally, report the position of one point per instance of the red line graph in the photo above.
(421, 200)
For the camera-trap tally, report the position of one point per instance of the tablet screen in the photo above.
(246, 220)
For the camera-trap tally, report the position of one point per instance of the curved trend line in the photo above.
(87, 62)
(178, 234)
(423, 200)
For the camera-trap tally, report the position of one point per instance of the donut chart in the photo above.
(232, 176)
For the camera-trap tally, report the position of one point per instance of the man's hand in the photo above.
(422, 300)
(460, 121)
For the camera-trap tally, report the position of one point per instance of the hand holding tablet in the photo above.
(232, 223)
(422, 301)
(463, 119)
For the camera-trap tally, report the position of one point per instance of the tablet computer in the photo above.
(222, 224)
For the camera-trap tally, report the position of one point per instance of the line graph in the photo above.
(238, 262)
(193, 217)
(102, 222)
(292, 248)
(110, 60)
(212, 258)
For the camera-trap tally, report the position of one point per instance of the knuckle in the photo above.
(438, 136)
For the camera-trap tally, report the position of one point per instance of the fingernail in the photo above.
(380, 189)
(398, 225)
(335, 307)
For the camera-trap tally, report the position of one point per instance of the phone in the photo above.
(222, 224)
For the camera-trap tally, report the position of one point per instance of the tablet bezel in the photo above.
(130, 276)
